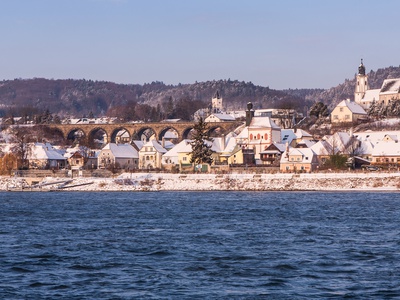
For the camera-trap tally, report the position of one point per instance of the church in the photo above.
(364, 96)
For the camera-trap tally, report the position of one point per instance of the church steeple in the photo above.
(361, 68)
(216, 103)
(361, 84)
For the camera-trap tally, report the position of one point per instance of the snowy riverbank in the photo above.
(212, 182)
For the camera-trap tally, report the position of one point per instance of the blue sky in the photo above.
(280, 44)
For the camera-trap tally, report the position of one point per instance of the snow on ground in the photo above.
(211, 182)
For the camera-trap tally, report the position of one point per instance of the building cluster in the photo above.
(267, 138)
(260, 142)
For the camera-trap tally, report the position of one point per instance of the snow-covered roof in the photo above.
(300, 133)
(237, 114)
(231, 144)
(156, 145)
(280, 146)
(41, 151)
(306, 154)
(122, 150)
(263, 122)
(386, 149)
(375, 136)
(353, 107)
(182, 147)
(170, 134)
(371, 95)
(222, 117)
(390, 86)
(138, 144)
(321, 148)
(69, 152)
(307, 143)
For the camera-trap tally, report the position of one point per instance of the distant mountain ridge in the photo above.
(72, 97)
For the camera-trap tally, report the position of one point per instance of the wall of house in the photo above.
(127, 163)
(105, 158)
(341, 114)
(387, 98)
(291, 167)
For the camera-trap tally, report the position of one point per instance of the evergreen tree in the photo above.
(319, 110)
(201, 151)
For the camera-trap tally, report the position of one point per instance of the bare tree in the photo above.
(21, 139)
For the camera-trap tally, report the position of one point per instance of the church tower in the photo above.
(361, 84)
(216, 103)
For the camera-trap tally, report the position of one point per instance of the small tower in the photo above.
(216, 103)
(361, 84)
(249, 113)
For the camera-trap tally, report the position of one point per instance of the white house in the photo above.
(118, 155)
(298, 160)
(150, 155)
(45, 156)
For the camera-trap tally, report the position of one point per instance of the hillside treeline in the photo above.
(156, 101)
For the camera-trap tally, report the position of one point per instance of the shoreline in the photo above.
(151, 182)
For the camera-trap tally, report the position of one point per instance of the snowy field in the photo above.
(211, 182)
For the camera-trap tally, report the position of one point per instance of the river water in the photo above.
(200, 245)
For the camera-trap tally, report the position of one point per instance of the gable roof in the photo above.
(156, 145)
(322, 148)
(182, 147)
(390, 86)
(371, 95)
(352, 106)
(306, 155)
(45, 151)
(122, 150)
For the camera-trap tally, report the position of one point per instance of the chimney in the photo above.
(287, 150)
(249, 113)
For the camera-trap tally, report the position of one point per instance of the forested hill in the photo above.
(81, 97)
(343, 91)
(156, 100)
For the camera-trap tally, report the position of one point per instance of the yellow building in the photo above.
(347, 112)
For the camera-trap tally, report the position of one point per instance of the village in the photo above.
(267, 141)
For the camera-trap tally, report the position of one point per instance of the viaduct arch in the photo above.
(87, 132)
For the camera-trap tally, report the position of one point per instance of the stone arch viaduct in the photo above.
(136, 130)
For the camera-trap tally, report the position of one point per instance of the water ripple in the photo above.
(198, 245)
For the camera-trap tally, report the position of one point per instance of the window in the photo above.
(287, 168)
(258, 136)
(184, 158)
(347, 117)
(341, 109)
(251, 136)
(335, 117)
(266, 136)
